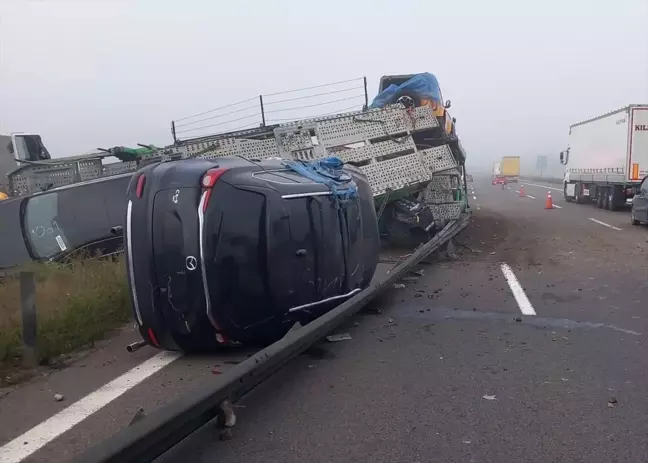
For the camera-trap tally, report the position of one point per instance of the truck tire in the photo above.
(633, 220)
(600, 197)
(607, 196)
(617, 198)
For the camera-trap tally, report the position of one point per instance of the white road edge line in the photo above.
(557, 206)
(529, 196)
(544, 186)
(518, 293)
(606, 224)
(475, 198)
(40, 435)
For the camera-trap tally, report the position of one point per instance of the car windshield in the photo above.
(70, 218)
(45, 233)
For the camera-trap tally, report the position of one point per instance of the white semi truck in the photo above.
(607, 157)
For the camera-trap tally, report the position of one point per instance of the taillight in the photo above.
(208, 181)
(211, 177)
(141, 181)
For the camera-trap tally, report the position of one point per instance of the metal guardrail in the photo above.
(157, 433)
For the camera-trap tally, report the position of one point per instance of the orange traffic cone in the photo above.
(522, 195)
(549, 203)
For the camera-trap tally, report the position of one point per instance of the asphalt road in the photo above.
(450, 371)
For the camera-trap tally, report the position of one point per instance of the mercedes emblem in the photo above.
(191, 263)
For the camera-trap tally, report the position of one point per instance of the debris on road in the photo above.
(612, 402)
(339, 337)
(489, 397)
(59, 397)
(410, 279)
(420, 272)
(372, 310)
(216, 371)
(399, 286)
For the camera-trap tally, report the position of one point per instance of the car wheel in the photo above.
(633, 220)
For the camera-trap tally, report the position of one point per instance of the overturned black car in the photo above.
(228, 251)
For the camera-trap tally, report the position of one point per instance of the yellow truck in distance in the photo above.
(510, 168)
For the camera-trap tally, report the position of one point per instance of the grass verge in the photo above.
(76, 305)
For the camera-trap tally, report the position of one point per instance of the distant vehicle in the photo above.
(510, 168)
(63, 222)
(607, 158)
(639, 213)
(469, 178)
(500, 180)
(230, 251)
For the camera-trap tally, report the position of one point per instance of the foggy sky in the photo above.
(94, 73)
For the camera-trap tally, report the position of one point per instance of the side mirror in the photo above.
(448, 103)
(117, 231)
(562, 157)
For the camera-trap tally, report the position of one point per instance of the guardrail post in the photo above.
(28, 308)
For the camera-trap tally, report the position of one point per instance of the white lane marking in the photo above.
(475, 198)
(529, 196)
(544, 186)
(517, 191)
(40, 435)
(605, 224)
(518, 293)
(557, 206)
(509, 188)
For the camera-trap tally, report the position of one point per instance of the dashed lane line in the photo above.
(518, 293)
(605, 224)
(529, 196)
(557, 206)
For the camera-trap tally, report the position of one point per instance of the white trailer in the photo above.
(607, 157)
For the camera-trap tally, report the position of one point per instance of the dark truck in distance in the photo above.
(228, 251)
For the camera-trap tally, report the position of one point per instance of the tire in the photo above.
(607, 198)
(617, 198)
(409, 100)
(633, 220)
